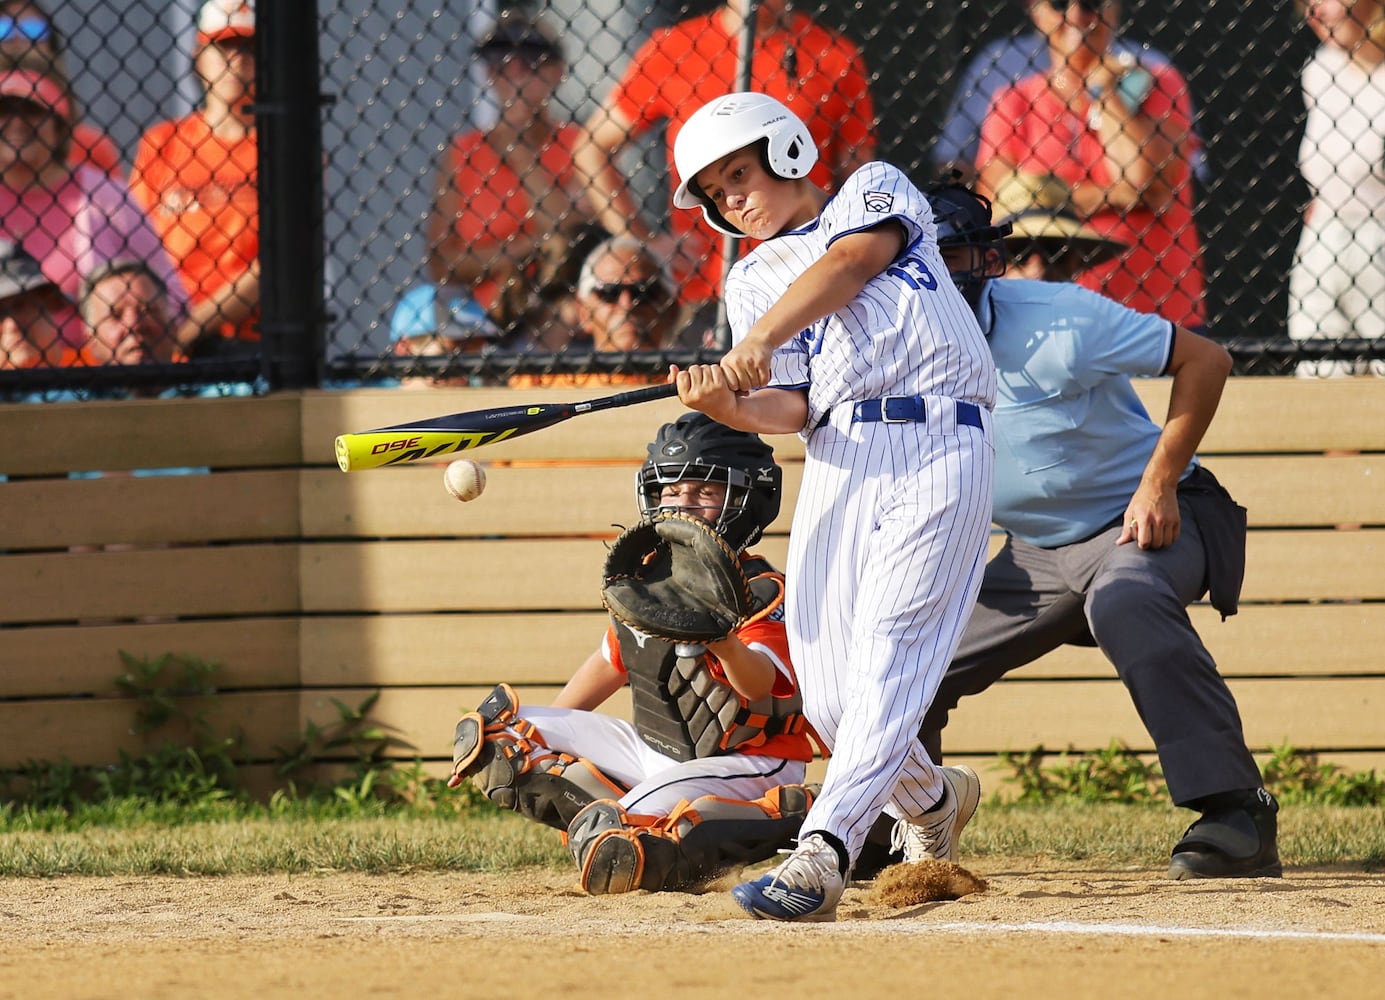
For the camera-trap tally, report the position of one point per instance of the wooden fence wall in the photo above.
(309, 585)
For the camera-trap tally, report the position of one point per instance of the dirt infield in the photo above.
(1040, 930)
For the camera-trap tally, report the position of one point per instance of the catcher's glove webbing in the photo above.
(675, 578)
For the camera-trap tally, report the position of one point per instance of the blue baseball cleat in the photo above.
(805, 886)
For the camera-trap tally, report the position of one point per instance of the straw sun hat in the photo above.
(1039, 210)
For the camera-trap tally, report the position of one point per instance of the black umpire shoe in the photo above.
(1235, 838)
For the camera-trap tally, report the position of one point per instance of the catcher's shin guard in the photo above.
(510, 762)
(696, 844)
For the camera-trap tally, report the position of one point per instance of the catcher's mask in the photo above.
(964, 220)
(696, 447)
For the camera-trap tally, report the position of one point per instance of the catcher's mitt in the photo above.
(675, 578)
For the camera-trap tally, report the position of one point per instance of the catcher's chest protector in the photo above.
(683, 711)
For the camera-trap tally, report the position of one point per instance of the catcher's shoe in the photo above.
(935, 834)
(1234, 839)
(805, 886)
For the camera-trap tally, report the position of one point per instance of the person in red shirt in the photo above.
(508, 199)
(816, 72)
(197, 177)
(1120, 135)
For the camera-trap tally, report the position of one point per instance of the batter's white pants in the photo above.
(886, 557)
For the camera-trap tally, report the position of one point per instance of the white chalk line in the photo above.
(1059, 927)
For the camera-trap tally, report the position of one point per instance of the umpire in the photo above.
(1112, 529)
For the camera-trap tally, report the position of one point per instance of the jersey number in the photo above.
(913, 272)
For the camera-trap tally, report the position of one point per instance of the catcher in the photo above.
(709, 777)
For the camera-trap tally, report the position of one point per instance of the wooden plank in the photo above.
(1289, 640)
(95, 730)
(1269, 414)
(1315, 566)
(475, 649)
(528, 574)
(142, 583)
(1014, 715)
(76, 659)
(517, 574)
(1342, 713)
(519, 500)
(1306, 490)
(122, 509)
(228, 433)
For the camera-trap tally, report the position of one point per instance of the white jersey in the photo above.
(909, 332)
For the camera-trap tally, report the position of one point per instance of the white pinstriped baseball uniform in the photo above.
(889, 535)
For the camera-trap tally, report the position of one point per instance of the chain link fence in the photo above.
(212, 198)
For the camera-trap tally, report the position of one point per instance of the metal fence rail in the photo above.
(393, 185)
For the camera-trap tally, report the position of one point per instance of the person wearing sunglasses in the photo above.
(624, 303)
(1118, 131)
(29, 41)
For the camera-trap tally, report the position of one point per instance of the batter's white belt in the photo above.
(942, 414)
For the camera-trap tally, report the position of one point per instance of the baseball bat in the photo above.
(437, 436)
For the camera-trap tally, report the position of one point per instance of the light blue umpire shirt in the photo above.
(1072, 437)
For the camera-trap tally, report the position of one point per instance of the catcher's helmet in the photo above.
(964, 220)
(730, 123)
(697, 447)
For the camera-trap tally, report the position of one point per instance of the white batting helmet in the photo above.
(730, 123)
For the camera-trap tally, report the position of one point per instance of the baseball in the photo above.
(464, 479)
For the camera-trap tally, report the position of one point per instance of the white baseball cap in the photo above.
(223, 19)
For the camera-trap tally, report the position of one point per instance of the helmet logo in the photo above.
(675, 448)
(879, 201)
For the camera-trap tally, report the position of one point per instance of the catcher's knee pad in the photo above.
(608, 853)
(695, 844)
(468, 741)
(717, 835)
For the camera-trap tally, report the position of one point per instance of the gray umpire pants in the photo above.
(1134, 602)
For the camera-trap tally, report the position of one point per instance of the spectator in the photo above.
(814, 71)
(1119, 133)
(1337, 283)
(70, 219)
(508, 200)
(197, 176)
(33, 312)
(624, 303)
(126, 310)
(1047, 241)
(29, 40)
(1007, 61)
(434, 321)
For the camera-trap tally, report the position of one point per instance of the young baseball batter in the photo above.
(848, 331)
(709, 775)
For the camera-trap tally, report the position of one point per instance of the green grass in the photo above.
(314, 840)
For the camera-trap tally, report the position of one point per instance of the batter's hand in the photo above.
(746, 366)
(705, 388)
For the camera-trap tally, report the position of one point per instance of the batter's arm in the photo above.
(1199, 368)
(593, 682)
(830, 283)
(767, 411)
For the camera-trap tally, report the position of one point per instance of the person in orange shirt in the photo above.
(197, 178)
(30, 41)
(507, 197)
(814, 71)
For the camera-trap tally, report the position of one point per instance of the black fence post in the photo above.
(289, 123)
